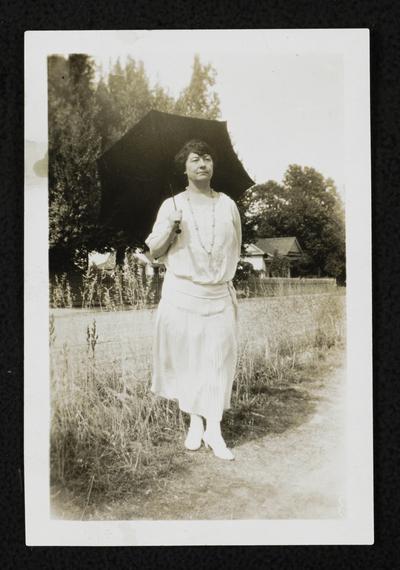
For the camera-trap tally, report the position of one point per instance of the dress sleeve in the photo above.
(238, 227)
(162, 227)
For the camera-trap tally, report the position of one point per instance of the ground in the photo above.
(296, 473)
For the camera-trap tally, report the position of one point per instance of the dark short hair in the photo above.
(199, 147)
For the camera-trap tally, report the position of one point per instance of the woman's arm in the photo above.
(164, 231)
(238, 227)
(161, 248)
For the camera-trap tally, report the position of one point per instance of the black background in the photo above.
(383, 20)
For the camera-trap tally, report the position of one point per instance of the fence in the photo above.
(283, 286)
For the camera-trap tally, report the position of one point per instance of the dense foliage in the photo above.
(86, 116)
(307, 206)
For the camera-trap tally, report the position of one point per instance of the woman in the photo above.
(195, 343)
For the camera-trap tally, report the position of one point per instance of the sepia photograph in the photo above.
(197, 306)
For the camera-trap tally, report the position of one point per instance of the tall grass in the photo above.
(105, 427)
(123, 287)
(130, 287)
(256, 286)
(279, 334)
(109, 433)
(61, 292)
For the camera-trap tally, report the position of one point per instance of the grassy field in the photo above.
(109, 434)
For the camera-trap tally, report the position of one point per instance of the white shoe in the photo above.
(218, 446)
(194, 438)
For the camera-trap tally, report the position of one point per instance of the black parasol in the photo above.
(137, 172)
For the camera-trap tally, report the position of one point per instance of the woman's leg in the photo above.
(196, 423)
(213, 438)
(214, 427)
(195, 434)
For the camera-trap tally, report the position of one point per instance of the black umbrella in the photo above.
(137, 172)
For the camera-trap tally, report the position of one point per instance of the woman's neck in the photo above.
(204, 189)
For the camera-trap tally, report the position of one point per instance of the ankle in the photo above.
(196, 422)
(214, 429)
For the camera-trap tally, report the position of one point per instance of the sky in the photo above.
(283, 102)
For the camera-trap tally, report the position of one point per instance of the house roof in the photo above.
(252, 249)
(285, 246)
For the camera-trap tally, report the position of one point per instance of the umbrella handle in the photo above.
(177, 228)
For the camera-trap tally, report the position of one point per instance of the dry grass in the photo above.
(128, 287)
(109, 433)
(255, 286)
(110, 290)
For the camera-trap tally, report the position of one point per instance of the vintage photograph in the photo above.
(197, 275)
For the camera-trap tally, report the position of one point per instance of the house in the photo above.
(152, 266)
(261, 253)
(107, 262)
(104, 261)
(256, 256)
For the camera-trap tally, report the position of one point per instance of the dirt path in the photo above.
(296, 474)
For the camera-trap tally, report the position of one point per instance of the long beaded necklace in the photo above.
(196, 226)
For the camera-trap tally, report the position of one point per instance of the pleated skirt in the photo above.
(195, 346)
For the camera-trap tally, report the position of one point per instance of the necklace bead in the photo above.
(209, 252)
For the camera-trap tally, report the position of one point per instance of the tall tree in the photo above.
(74, 145)
(305, 205)
(199, 99)
(126, 96)
(122, 100)
(261, 210)
(161, 100)
(85, 118)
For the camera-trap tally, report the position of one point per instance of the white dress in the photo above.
(195, 340)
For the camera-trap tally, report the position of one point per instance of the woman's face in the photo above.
(199, 167)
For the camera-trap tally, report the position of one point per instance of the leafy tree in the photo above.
(161, 100)
(279, 266)
(123, 99)
(74, 145)
(86, 118)
(107, 116)
(307, 206)
(198, 99)
(259, 206)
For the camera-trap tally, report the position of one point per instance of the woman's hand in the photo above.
(175, 218)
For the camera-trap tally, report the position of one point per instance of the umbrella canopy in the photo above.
(137, 172)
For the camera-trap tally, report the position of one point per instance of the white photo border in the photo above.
(357, 526)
